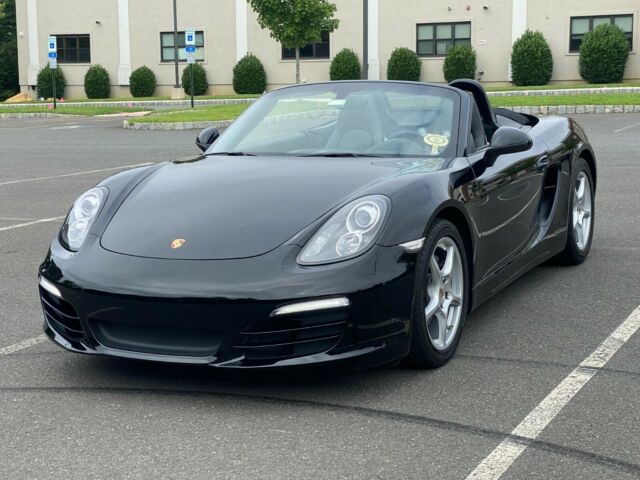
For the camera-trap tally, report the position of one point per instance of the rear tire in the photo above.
(581, 216)
(440, 297)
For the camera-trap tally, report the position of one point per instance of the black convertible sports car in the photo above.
(337, 222)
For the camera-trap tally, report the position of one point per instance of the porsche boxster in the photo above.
(346, 222)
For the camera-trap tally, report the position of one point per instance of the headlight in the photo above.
(350, 232)
(81, 217)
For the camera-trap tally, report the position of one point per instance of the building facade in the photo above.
(122, 35)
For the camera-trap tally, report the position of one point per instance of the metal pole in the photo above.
(53, 72)
(175, 42)
(191, 84)
(365, 39)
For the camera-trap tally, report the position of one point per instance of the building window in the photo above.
(580, 26)
(166, 47)
(73, 48)
(435, 39)
(311, 50)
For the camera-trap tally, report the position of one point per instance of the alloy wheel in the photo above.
(445, 290)
(582, 211)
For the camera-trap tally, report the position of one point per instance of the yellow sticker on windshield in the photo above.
(436, 142)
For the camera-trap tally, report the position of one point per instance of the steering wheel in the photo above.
(408, 134)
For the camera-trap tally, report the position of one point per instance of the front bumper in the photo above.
(221, 313)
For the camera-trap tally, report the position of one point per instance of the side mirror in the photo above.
(509, 140)
(206, 138)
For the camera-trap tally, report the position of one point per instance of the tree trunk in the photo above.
(297, 64)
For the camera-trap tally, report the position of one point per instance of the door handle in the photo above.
(542, 163)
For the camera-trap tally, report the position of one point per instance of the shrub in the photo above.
(142, 82)
(460, 62)
(45, 83)
(8, 93)
(249, 75)
(531, 60)
(603, 55)
(345, 66)
(97, 83)
(200, 83)
(404, 64)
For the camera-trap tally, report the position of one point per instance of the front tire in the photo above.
(440, 298)
(581, 216)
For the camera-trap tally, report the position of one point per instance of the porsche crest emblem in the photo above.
(177, 243)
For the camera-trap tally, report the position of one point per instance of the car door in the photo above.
(505, 205)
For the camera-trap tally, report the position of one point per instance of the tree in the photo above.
(8, 49)
(295, 23)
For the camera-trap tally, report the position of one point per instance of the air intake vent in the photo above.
(292, 336)
(61, 315)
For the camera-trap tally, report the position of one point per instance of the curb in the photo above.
(221, 124)
(36, 115)
(566, 91)
(141, 103)
(575, 109)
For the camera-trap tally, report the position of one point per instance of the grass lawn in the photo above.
(562, 87)
(87, 111)
(199, 114)
(586, 99)
(230, 112)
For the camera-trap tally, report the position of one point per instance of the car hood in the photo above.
(233, 207)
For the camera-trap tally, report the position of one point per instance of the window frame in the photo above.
(201, 46)
(61, 49)
(453, 39)
(285, 55)
(591, 19)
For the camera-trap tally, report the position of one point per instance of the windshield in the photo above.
(367, 119)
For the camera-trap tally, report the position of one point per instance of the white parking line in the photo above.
(627, 127)
(85, 172)
(28, 224)
(22, 345)
(505, 454)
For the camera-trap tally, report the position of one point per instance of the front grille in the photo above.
(61, 315)
(292, 336)
(155, 338)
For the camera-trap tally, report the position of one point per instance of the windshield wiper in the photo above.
(233, 154)
(340, 154)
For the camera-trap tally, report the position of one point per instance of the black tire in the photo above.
(423, 353)
(572, 255)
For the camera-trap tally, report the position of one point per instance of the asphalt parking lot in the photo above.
(69, 416)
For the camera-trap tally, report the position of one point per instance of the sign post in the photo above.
(190, 51)
(53, 65)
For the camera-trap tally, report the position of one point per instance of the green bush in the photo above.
(142, 82)
(8, 93)
(345, 66)
(249, 76)
(531, 60)
(200, 82)
(45, 83)
(404, 64)
(603, 54)
(97, 83)
(460, 62)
